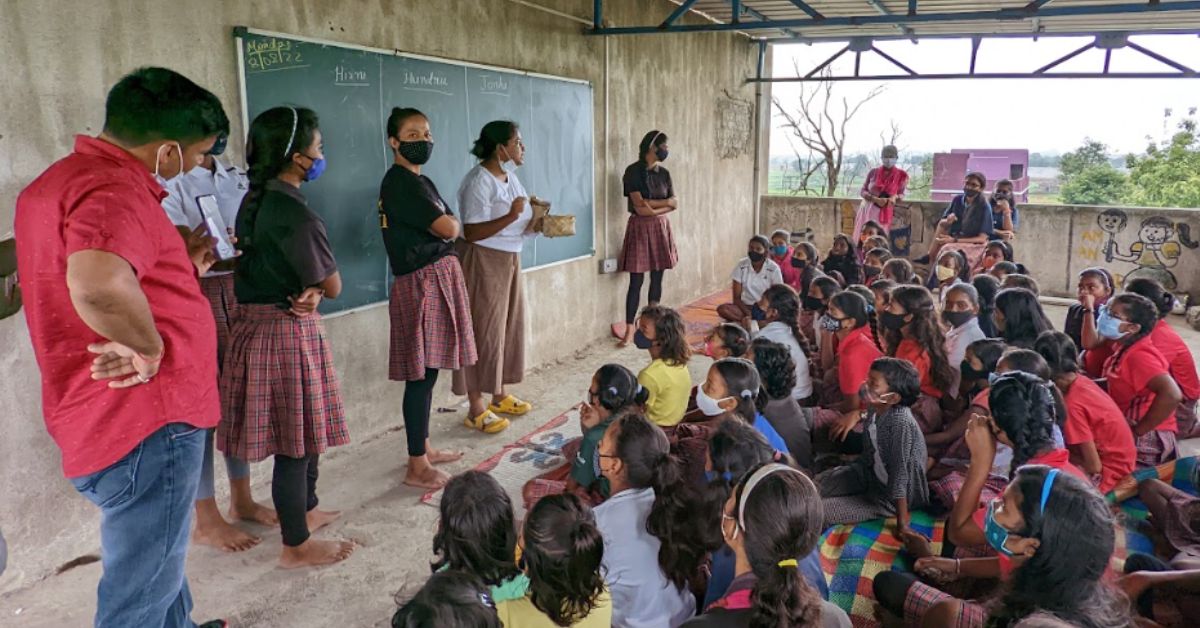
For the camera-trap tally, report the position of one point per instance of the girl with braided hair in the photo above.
(911, 332)
(780, 307)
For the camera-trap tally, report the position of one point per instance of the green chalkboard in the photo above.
(353, 89)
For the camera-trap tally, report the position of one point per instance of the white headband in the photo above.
(292, 138)
(757, 477)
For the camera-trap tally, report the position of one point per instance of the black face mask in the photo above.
(957, 319)
(871, 271)
(891, 321)
(417, 153)
(970, 193)
(969, 374)
(799, 263)
(813, 304)
(757, 258)
(662, 154)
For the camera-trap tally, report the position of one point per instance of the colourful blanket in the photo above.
(700, 316)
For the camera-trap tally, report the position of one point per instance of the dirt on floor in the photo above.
(392, 528)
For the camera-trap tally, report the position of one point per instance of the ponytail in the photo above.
(786, 303)
(784, 598)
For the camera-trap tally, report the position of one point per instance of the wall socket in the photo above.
(608, 266)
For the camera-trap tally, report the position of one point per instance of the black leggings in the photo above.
(635, 292)
(418, 401)
(294, 491)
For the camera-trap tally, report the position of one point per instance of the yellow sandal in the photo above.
(512, 406)
(488, 423)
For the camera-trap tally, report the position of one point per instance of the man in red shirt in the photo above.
(124, 337)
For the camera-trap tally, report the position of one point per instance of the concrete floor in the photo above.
(384, 517)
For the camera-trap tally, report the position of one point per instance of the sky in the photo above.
(1042, 115)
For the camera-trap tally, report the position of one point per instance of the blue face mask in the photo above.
(1108, 326)
(780, 250)
(641, 341)
(314, 171)
(709, 476)
(757, 313)
(993, 377)
(997, 535)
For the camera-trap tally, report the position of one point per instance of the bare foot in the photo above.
(437, 456)
(318, 519)
(313, 552)
(254, 513)
(224, 536)
(428, 478)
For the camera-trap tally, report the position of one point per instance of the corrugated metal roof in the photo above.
(776, 10)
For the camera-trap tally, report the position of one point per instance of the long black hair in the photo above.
(987, 286)
(563, 551)
(670, 334)
(476, 530)
(617, 388)
(786, 303)
(493, 135)
(1023, 406)
(449, 599)
(1154, 291)
(1030, 361)
(735, 338)
(1059, 351)
(780, 520)
(734, 449)
(925, 331)
(775, 368)
(275, 136)
(742, 383)
(1024, 317)
(1065, 575)
(646, 455)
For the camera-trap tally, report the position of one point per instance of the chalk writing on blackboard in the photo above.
(350, 77)
(270, 55)
(432, 82)
(493, 84)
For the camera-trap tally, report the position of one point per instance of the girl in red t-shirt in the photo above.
(911, 332)
(1095, 430)
(1139, 377)
(1172, 347)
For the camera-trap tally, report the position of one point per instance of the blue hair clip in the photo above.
(870, 308)
(1046, 486)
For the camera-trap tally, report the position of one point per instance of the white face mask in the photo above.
(156, 156)
(889, 162)
(708, 405)
(508, 165)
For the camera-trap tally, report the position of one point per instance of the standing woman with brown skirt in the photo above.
(649, 243)
(279, 392)
(496, 217)
(429, 310)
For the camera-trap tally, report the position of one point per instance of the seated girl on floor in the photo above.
(476, 533)
(888, 479)
(730, 391)
(873, 263)
(870, 229)
(900, 271)
(911, 332)
(997, 251)
(561, 551)
(726, 340)
(780, 322)
(804, 258)
(813, 310)
(843, 260)
(668, 384)
(1179, 357)
(449, 599)
(947, 447)
(775, 401)
(751, 276)
(987, 287)
(856, 350)
(951, 270)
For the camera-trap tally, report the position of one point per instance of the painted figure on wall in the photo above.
(1155, 251)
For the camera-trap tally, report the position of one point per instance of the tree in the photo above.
(1095, 185)
(818, 132)
(1168, 175)
(1092, 153)
(920, 182)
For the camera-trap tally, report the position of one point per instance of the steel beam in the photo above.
(676, 14)
(597, 14)
(883, 10)
(1013, 35)
(988, 75)
(803, 6)
(1017, 14)
(912, 7)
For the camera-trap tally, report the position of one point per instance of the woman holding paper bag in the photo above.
(496, 215)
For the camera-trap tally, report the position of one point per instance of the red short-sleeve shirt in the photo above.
(1179, 358)
(102, 198)
(855, 355)
(1092, 416)
(908, 349)
(1128, 372)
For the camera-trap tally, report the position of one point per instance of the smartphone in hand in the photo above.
(216, 226)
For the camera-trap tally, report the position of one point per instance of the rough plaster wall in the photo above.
(61, 56)
(1054, 241)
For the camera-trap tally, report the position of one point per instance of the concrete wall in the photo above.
(61, 56)
(1054, 241)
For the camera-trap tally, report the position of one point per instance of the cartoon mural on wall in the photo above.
(1156, 248)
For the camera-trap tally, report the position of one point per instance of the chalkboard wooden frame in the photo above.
(335, 309)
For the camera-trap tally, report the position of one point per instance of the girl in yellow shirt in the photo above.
(660, 331)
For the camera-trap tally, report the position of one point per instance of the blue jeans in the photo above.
(235, 467)
(145, 501)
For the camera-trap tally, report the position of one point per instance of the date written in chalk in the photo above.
(268, 55)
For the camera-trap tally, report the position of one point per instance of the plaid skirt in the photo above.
(431, 322)
(279, 391)
(649, 245)
(1155, 447)
(922, 597)
(947, 489)
(219, 291)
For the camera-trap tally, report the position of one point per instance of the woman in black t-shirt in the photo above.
(429, 309)
(649, 243)
(280, 395)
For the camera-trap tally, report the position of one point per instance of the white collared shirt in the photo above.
(959, 338)
(754, 284)
(484, 198)
(226, 183)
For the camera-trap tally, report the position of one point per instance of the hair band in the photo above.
(1046, 488)
(790, 562)
(612, 390)
(746, 394)
(292, 138)
(755, 478)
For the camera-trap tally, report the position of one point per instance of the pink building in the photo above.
(995, 163)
